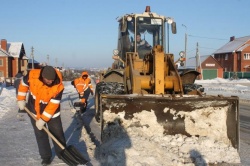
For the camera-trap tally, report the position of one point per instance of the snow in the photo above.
(173, 149)
(226, 87)
(132, 146)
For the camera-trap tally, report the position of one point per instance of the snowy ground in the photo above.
(18, 146)
(227, 87)
(17, 140)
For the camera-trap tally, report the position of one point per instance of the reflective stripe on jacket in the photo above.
(45, 99)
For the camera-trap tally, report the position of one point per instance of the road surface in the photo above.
(245, 133)
(18, 145)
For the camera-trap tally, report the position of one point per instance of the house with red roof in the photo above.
(12, 58)
(206, 65)
(234, 56)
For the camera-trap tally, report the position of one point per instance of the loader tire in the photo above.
(106, 88)
(192, 87)
(97, 106)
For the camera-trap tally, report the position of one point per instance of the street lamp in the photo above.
(185, 56)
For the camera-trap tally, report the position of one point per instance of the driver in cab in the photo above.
(142, 44)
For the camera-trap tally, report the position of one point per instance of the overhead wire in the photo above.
(206, 37)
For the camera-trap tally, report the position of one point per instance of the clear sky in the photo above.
(83, 33)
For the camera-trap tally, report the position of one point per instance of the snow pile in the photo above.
(210, 122)
(127, 144)
(227, 87)
(7, 98)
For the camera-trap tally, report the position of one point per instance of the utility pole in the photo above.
(197, 57)
(198, 60)
(47, 59)
(185, 56)
(32, 57)
(56, 62)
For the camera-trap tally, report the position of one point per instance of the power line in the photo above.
(210, 48)
(242, 39)
(206, 37)
(191, 50)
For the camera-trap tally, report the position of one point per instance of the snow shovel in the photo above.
(81, 106)
(70, 155)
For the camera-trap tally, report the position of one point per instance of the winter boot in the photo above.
(46, 162)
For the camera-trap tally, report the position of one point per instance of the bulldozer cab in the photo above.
(141, 32)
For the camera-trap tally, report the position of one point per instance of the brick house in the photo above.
(208, 66)
(234, 56)
(12, 58)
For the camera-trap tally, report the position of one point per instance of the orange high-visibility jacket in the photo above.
(82, 85)
(45, 100)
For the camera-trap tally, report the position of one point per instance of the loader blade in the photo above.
(211, 116)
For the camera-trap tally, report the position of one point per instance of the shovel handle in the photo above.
(46, 130)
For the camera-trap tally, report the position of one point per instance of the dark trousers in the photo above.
(42, 138)
(85, 95)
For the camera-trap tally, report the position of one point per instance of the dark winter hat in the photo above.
(49, 73)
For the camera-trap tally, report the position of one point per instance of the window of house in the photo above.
(22, 62)
(219, 57)
(1, 73)
(247, 56)
(1, 62)
(226, 57)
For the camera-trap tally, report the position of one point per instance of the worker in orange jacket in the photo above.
(45, 88)
(84, 88)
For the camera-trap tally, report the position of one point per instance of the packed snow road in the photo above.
(17, 139)
(18, 146)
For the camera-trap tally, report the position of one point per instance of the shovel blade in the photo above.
(79, 104)
(72, 156)
(175, 115)
(78, 156)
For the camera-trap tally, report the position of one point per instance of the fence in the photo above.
(8, 81)
(236, 75)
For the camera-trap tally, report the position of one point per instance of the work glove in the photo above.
(40, 123)
(92, 93)
(21, 104)
(81, 94)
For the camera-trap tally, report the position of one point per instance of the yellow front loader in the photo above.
(147, 79)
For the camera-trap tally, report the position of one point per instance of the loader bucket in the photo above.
(211, 116)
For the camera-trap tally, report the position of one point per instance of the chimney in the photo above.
(147, 9)
(232, 38)
(4, 44)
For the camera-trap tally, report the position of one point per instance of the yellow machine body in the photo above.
(149, 80)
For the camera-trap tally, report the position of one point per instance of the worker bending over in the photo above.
(84, 88)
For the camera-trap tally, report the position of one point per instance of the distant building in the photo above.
(37, 65)
(208, 67)
(12, 58)
(234, 56)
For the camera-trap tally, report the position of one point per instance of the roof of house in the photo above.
(30, 61)
(191, 62)
(233, 46)
(3, 53)
(13, 49)
(243, 47)
(25, 57)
